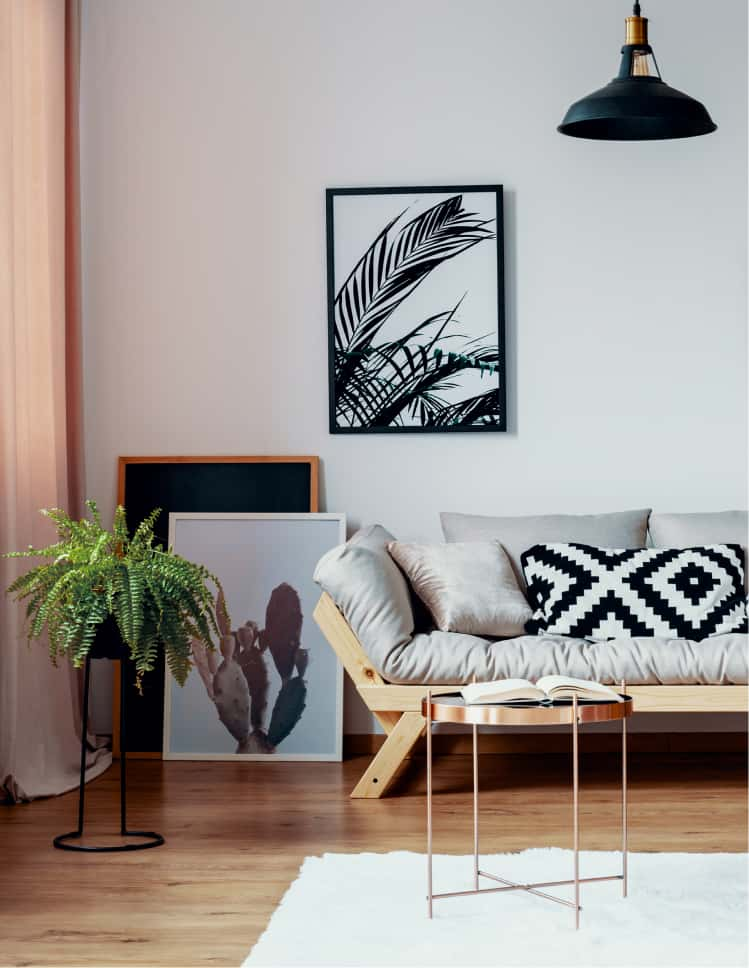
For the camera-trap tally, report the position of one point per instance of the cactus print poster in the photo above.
(273, 687)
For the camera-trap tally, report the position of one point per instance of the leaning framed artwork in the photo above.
(227, 483)
(273, 687)
(416, 309)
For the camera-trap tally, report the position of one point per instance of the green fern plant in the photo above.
(156, 597)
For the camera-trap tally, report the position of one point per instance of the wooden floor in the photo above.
(237, 833)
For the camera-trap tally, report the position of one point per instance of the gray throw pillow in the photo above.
(620, 529)
(469, 588)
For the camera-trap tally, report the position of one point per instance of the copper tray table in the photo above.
(453, 709)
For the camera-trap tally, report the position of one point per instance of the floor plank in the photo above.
(237, 833)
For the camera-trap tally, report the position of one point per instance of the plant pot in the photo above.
(108, 643)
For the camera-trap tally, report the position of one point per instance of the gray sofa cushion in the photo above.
(621, 529)
(370, 590)
(689, 530)
(447, 657)
(707, 527)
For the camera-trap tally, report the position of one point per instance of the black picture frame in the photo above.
(499, 421)
(265, 484)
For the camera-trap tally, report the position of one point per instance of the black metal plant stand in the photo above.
(151, 839)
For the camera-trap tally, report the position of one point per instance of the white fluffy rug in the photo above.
(370, 909)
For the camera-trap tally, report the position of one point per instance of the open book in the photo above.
(547, 687)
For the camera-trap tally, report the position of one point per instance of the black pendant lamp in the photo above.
(637, 105)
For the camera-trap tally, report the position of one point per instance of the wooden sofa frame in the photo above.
(398, 708)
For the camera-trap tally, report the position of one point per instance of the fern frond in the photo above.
(119, 525)
(158, 599)
(144, 535)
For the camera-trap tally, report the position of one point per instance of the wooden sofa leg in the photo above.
(382, 770)
(403, 727)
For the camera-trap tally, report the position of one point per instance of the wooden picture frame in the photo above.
(230, 483)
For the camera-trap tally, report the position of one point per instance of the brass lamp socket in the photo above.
(637, 30)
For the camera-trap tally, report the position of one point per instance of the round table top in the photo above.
(452, 708)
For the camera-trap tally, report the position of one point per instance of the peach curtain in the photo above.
(40, 378)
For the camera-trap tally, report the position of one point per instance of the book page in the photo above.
(581, 686)
(501, 685)
(501, 690)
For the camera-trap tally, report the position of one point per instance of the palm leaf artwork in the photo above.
(417, 380)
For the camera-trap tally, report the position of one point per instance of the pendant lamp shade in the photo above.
(637, 105)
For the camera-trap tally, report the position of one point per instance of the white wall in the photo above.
(210, 131)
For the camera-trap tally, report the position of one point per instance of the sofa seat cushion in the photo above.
(447, 657)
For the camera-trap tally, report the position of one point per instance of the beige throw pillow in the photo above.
(468, 587)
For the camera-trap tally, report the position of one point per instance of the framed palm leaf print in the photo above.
(416, 309)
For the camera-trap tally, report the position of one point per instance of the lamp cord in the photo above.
(636, 9)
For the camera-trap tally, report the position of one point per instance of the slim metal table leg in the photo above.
(575, 819)
(624, 800)
(475, 808)
(445, 711)
(429, 803)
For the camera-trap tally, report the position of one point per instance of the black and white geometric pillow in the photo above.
(605, 593)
